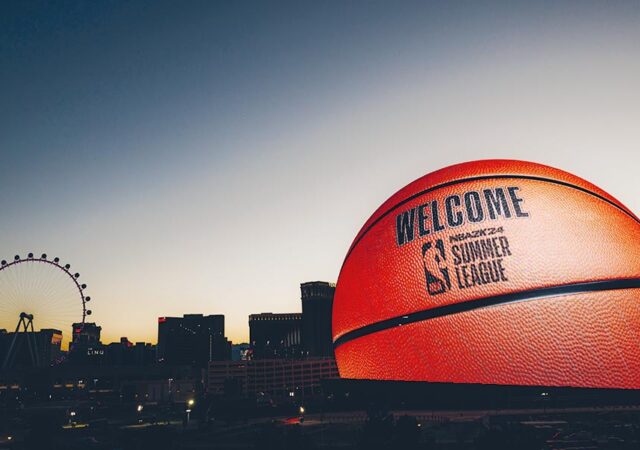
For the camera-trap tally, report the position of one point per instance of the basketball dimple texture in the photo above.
(578, 340)
(467, 259)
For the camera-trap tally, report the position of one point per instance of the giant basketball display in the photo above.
(493, 272)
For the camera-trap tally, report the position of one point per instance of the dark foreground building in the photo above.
(275, 335)
(279, 378)
(193, 340)
(317, 303)
(30, 349)
(85, 346)
(87, 333)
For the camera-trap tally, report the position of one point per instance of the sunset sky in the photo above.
(208, 157)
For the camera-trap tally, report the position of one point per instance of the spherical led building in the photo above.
(493, 272)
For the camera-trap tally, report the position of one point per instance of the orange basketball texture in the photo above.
(498, 272)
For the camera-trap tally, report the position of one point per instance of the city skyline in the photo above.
(208, 158)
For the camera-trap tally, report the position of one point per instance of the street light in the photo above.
(301, 411)
(190, 403)
(139, 409)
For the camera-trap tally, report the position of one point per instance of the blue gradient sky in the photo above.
(210, 156)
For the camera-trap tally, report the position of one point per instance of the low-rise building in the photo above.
(275, 377)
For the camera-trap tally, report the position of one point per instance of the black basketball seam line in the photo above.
(484, 177)
(487, 302)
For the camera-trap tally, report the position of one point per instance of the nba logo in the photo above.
(435, 268)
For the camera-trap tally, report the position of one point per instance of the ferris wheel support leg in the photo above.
(8, 357)
(33, 347)
(29, 334)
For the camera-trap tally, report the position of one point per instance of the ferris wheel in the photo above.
(38, 294)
